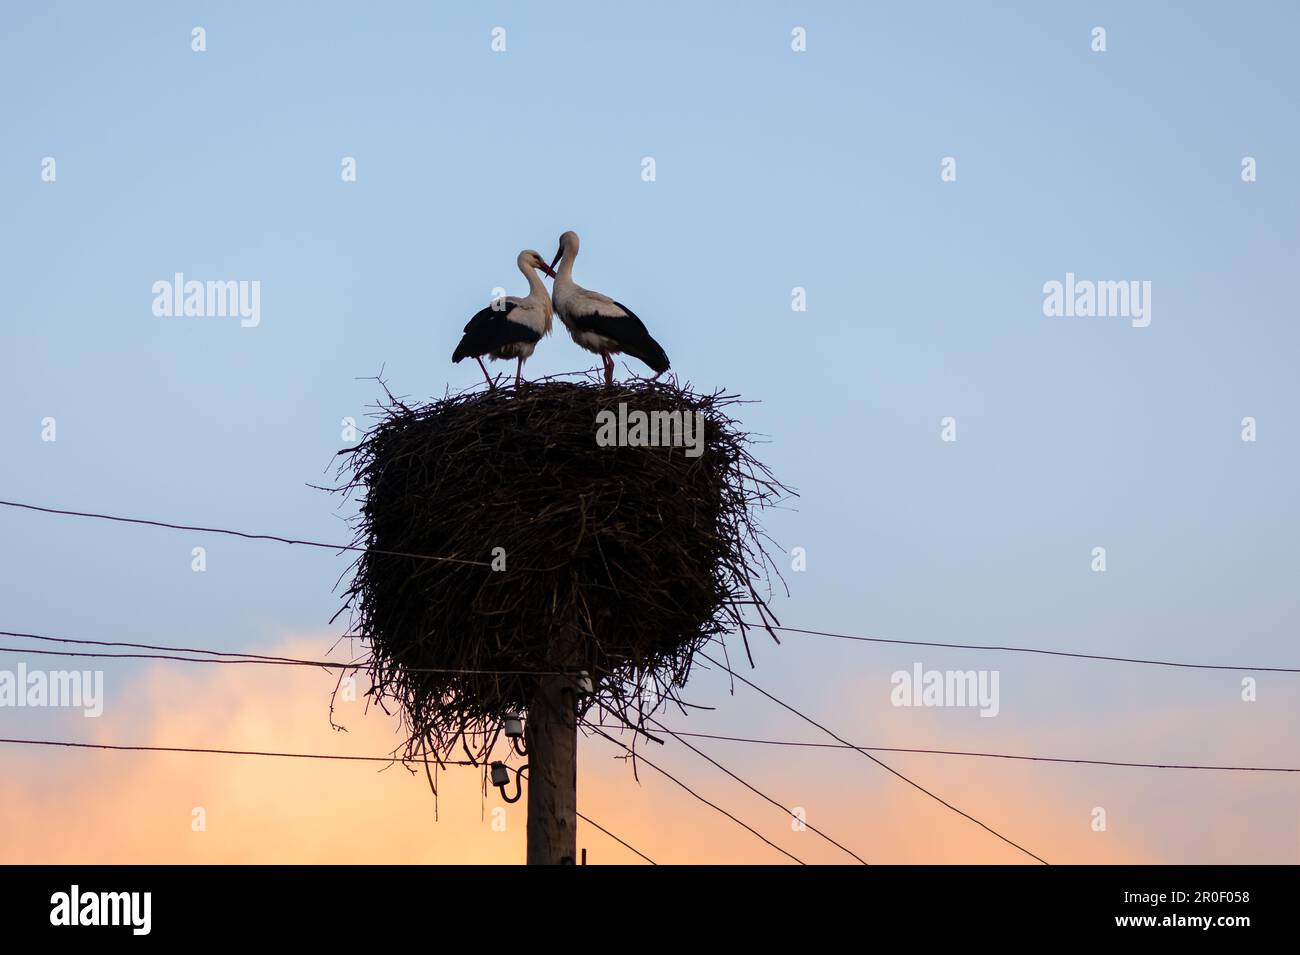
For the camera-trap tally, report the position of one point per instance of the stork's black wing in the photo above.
(629, 332)
(489, 330)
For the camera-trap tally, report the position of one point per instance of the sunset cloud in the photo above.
(114, 807)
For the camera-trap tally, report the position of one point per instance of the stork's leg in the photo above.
(519, 372)
(486, 376)
(609, 367)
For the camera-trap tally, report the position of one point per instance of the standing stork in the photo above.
(597, 322)
(510, 327)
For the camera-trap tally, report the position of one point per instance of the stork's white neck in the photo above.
(565, 270)
(535, 283)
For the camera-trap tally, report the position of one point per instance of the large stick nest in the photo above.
(564, 555)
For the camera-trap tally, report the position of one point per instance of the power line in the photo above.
(821, 633)
(218, 655)
(329, 664)
(268, 662)
(592, 822)
(226, 752)
(252, 657)
(711, 805)
(247, 535)
(163, 656)
(757, 791)
(149, 646)
(1038, 650)
(290, 661)
(959, 752)
(878, 762)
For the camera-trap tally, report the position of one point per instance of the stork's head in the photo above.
(568, 247)
(528, 259)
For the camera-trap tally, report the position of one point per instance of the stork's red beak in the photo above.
(556, 261)
(548, 269)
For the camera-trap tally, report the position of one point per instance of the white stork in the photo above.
(510, 327)
(597, 322)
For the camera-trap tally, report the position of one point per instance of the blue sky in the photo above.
(774, 169)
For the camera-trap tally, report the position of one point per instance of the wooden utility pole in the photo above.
(551, 736)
